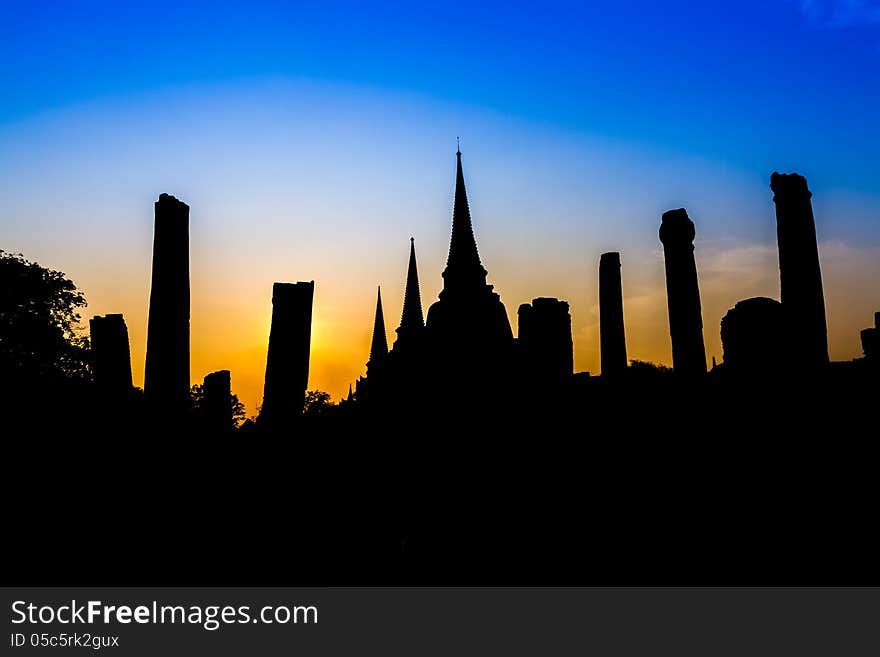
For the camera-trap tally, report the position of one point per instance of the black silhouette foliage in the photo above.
(317, 402)
(39, 318)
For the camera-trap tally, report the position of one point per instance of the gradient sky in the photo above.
(312, 139)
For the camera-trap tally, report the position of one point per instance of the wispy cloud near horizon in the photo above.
(840, 13)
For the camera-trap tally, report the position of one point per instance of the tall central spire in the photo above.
(467, 328)
(463, 264)
(379, 347)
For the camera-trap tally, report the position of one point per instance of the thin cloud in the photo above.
(840, 13)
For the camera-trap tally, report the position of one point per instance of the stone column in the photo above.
(287, 362)
(800, 276)
(871, 340)
(611, 333)
(111, 354)
(677, 233)
(217, 401)
(166, 376)
(545, 339)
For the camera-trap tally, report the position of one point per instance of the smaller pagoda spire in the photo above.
(379, 346)
(412, 318)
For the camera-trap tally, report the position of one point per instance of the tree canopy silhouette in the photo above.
(317, 402)
(39, 317)
(646, 366)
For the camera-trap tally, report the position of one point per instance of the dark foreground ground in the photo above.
(761, 484)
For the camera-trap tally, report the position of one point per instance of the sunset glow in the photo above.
(307, 151)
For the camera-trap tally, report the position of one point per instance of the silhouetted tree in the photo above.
(38, 321)
(642, 372)
(317, 402)
(238, 412)
(645, 366)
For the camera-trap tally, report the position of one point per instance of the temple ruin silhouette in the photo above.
(463, 353)
(465, 450)
(467, 344)
(465, 349)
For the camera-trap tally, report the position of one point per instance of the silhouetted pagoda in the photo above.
(467, 339)
(412, 321)
(379, 346)
(406, 369)
(376, 365)
(467, 327)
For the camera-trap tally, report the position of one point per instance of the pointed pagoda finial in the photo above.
(458, 146)
(350, 393)
(379, 346)
(463, 264)
(412, 318)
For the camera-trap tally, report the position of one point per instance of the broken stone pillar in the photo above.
(111, 354)
(800, 276)
(166, 376)
(677, 234)
(871, 340)
(545, 339)
(217, 401)
(611, 333)
(287, 363)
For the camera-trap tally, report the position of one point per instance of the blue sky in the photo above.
(751, 78)
(312, 139)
